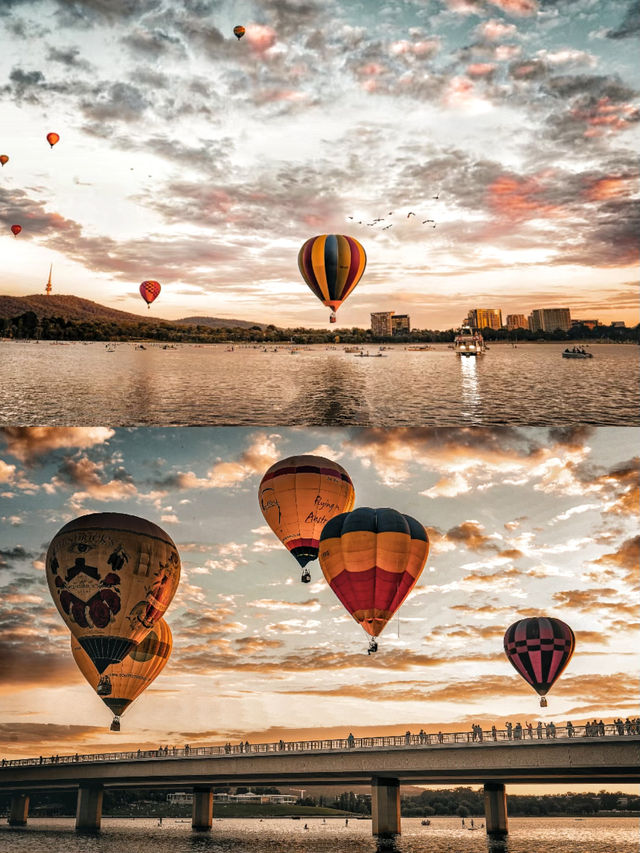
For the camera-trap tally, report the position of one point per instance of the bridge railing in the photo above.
(540, 734)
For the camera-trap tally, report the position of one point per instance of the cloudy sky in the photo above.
(521, 521)
(205, 162)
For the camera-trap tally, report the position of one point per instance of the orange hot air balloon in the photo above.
(238, 32)
(52, 138)
(371, 559)
(332, 265)
(122, 683)
(112, 577)
(298, 496)
(16, 229)
(149, 290)
(3, 159)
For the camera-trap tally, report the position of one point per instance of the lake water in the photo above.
(531, 384)
(445, 835)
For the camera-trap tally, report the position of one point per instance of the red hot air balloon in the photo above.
(332, 265)
(52, 138)
(149, 291)
(3, 159)
(238, 32)
(371, 559)
(16, 229)
(540, 649)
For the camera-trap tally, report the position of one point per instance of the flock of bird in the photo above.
(378, 219)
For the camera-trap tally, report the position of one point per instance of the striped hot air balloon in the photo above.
(298, 496)
(371, 559)
(539, 648)
(112, 577)
(332, 265)
(122, 683)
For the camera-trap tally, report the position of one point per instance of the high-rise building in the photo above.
(516, 321)
(381, 324)
(484, 318)
(550, 320)
(588, 324)
(400, 324)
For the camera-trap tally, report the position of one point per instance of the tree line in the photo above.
(28, 326)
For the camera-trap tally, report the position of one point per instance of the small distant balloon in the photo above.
(52, 138)
(3, 159)
(238, 32)
(149, 291)
(16, 229)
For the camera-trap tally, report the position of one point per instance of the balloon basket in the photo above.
(543, 702)
(115, 725)
(306, 577)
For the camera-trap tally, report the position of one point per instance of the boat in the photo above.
(352, 349)
(468, 342)
(426, 348)
(576, 353)
(370, 355)
(425, 822)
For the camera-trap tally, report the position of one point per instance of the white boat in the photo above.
(468, 342)
(576, 353)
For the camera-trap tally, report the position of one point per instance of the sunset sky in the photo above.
(522, 522)
(205, 162)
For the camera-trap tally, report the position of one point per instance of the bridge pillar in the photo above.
(495, 809)
(202, 817)
(385, 806)
(19, 810)
(89, 808)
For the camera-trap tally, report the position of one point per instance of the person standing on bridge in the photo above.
(509, 728)
(529, 729)
(494, 732)
(407, 737)
(570, 729)
(351, 741)
(539, 729)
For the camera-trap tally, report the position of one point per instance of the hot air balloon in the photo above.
(149, 291)
(332, 265)
(52, 138)
(16, 229)
(297, 496)
(371, 559)
(238, 32)
(540, 649)
(122, 683)
(3, 159)
(112, 577)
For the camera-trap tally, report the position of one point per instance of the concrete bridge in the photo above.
(491, 759)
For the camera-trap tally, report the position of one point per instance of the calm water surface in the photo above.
(85, 384)
(445, 835)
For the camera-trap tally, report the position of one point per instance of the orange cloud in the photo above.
(603, 116)
(613, 186)
(28, 443)
(260, 37)
(519, 198)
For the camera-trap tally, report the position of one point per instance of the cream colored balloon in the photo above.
(112, 577)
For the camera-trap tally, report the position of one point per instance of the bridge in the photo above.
(604, 755)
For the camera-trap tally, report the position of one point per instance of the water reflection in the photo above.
(332, 394)
(470, 389)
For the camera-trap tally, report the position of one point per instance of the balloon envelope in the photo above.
(16, 229)
(52, 138)
(136, 670)
(539, 648)
(298, 495)
(332, 265)
(112, 577)
(238, 32)
(371, 559)
(3, 159)
(149, 290)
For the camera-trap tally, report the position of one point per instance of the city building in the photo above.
(588, 324)
(484, 318)
(550, 320)
(400, 324)
(381, 323)
(516, 321)
(618, 324)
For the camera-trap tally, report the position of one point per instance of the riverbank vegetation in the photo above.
(31, 327)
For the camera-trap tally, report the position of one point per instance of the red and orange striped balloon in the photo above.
(332, 265)
(371, 559)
